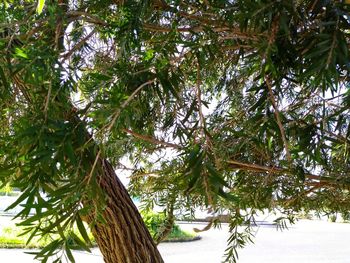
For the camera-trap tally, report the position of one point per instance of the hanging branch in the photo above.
(278, 119)
(208, 143)
(272, 38)
(199, 99)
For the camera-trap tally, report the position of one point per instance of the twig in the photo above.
(150, 174)
(203, 133)
(47, 100)
(94, 166)
(329, 58)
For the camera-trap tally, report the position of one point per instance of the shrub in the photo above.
(156, 222)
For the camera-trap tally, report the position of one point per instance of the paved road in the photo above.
(305, 242)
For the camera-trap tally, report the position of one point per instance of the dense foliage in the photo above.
(157, 224)
(238, 106)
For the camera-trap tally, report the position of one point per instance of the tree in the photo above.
(239, 106)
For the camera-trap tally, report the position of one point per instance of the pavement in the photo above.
(308, 241)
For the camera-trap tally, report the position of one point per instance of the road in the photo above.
(305, 242)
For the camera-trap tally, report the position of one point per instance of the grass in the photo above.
(10, 237)
(179, 235)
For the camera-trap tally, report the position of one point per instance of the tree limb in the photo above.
(272, 169)
(151, 139)
(78, 45)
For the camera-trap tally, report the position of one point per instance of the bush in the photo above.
(7, 191)
(156, 222)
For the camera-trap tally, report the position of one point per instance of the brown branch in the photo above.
(78, 45)
(166, 229)
(151, 139)
(204, 21)
(228, 32)
(75, 15)
(48, 96)
(338, 136)
(272, 169)
(314, 187)
(272, 38)
(207, 227)
(93, 167)
(333, 45)
(215, 25)
(199, 100)
(150, 174)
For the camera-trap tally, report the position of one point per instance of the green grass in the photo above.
(179, 235)
(7, 190)
(10, 237)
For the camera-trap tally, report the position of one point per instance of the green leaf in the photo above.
(21, 198)
(20, 53)
(82, 229)
(99, 76)
(5, 172)
(40, 6)
(32, 235)
(68, 147)
(79, 242)
(228, 196)
(29, 221)
(69, 254)
(215, 178)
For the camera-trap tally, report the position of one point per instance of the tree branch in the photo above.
(75, 15)
(151, 139)
(231, 32)
(272, 169)
(78, 45)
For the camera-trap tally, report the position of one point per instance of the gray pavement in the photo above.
(306, 242)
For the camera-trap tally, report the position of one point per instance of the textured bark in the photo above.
(125, 238)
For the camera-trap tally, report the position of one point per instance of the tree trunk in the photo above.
(125, 238)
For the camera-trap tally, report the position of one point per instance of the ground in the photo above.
(306, 242)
